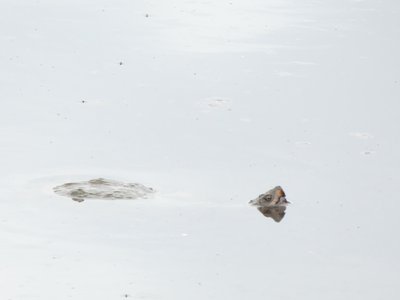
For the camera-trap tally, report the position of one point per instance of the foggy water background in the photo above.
(213, 104)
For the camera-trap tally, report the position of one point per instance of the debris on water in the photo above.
(361, 135)
(219, 103)
(147, 15)
(121, 63)
(368, 152)
(104, 189)
(272, 204)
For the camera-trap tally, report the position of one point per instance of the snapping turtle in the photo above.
(272, 204)
(101, 188)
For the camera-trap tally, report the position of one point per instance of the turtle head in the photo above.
(276, 196)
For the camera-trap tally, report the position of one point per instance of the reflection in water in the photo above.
(272, 204)
(275, 212)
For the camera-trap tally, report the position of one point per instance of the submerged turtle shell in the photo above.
(101, 188)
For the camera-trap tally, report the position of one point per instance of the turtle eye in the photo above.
(268, 197)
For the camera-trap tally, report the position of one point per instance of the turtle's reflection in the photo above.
(272, 204)
(277, 213)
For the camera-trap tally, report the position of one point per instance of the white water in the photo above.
(214, 104)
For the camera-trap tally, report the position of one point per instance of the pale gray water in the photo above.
(214, 103)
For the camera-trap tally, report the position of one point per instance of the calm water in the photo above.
(212, 105)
